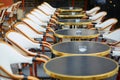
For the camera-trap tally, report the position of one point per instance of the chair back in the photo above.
(114, 35)
(46, 11)
(33, 25)
(93, 11)
(20, 40)
(41, 17)
(10, 56)
(17, 6)
(11, 10)
(27, 31)
(2, 14)
(49, 6)
(41, 13)
(108, 24)
(36, 20)
(97, 18)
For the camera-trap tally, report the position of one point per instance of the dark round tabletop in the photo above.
(81, 67)
(74, 20)
(81, 48)
(77, 33)
(70, 9)
(71, 13)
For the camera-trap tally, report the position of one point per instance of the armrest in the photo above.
(113, 44)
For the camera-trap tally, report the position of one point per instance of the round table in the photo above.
(80, 48)
(70, 9)
(81, 68)
(71, 15)
(76, 33)
(74, 22)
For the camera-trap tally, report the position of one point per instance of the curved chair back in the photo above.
(10, 56)
(41, 13)
(13, 8)
(36, 20)
(107, 25)
(2, 14)
(2, 19)
(33, 25)
(27, 31)
(17, 6)
(24, 44)
(97, 18)
(114, 35)
(40, 16)
(20, 40)
(49, 6)
(45, 10)
(93, 11)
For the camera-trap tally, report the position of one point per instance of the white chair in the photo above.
(30, 33)
(92, 11)
(33, 25)
(45, 10)
(98, 17)
(10, 56)
(44, 14)
(2, 19)
(106, 26)
(36, 20)
(24, 44)
(18, 3)
(38, 28)
(12, 13)
(52, 8)
(113, 38)
(26, 30)
(40, 15)
(49, 9)
(2, 14)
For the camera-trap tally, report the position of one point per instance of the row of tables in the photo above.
(79, 60)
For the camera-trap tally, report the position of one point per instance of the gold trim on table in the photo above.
(93, 77)
(74, 23)
(72, 16)
(77, 37)
(103, 53)
(71, 10)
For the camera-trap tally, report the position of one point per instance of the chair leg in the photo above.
(31, 70)
(35, 68)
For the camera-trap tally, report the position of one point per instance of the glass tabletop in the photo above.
(69, 9)
(81, 67)
(70, 13)
(81, 48)
(76, 33)
(74, 20)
